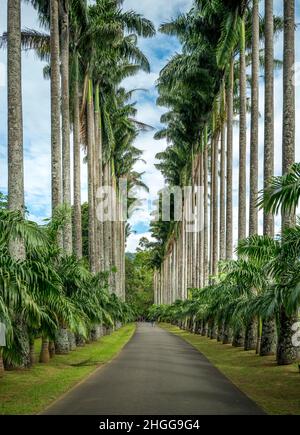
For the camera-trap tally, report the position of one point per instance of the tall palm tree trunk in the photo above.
(57, 72)
(113, 247)
(253, 210)
(201, 227)
(181, 260)
(106, 225)
(251, 327)
(268, 337)
(222, 252)
(238, 339)
(229, 104)
(90, 151)
(77, 237)
(101, 182)
(97, 173)
(122, 215)
(286, 351)
(211, 207)
(15, 147)
(56, 181)
(184, 257)
(215, 254)
(15, 119)
(205, 211)
(194, 233)
(242, 139)
(65, 110)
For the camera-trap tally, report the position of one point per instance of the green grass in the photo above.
(31, 391)
(275, 388)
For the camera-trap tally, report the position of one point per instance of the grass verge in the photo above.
(31, 391)
(275, 388)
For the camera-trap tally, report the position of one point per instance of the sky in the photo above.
(36, 114)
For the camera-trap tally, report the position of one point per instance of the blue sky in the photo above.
(36, 109)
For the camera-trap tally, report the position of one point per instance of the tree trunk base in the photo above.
(96, 332)
(220, 332)
(213, 332)
(204, 331)
(45, 355)
(286, 351)
(250, 336)
(32, 353)
(51, 349)
(227, 335)
(80, 341)
(62, 342)
(268, 338)
(72, 340)
(22, 341)
(238, 339)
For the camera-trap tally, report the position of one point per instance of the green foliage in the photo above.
(3, 201)
(190, 86)
(282, 193)
(264, 279)
(48, 288)
(139, 281)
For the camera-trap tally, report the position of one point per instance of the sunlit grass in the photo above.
(275, 388)
(30, 391)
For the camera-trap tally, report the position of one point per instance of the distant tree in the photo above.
(139, 279)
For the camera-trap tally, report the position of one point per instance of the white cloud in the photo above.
(158, 11)
(134, 239)
(149, 113)
(142, 80)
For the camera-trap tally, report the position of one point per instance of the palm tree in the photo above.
(214, 196)
(286, 352)
(253, 216)
(77, 225)
(283, 192)
(269, 109)
(268, 325)
(48, 48)
(233, 38)
(15, 143)
(229, 157)
(243, 137)
(15, 123)
(222, 175)
(108, 65)
(205, 209)
(250, 342)
(91, 175)
(49, 287)
(56, 181)
(65, 111)
(231, 42)
(78, 28)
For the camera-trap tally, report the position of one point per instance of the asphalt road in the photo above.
(157, 373)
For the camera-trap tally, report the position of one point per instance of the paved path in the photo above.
(157, 373)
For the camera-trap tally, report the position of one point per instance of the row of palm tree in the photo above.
(88, 49)
(206, 90)
(49, 293)
(249, 292)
